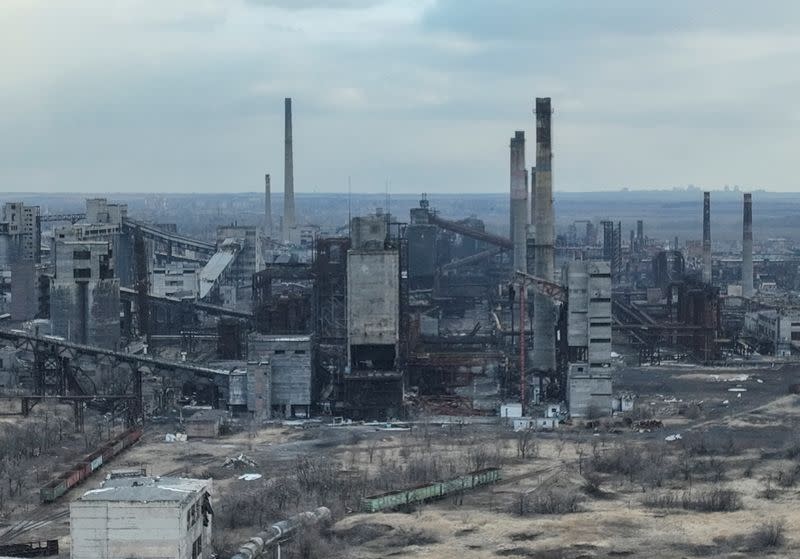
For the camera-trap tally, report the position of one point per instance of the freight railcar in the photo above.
(429, 491)
(89, 464)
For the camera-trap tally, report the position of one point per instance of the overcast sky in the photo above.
(187, 95)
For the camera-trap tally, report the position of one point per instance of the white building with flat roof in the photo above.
(143, 518)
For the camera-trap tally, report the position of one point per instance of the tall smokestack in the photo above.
(747, 246)
(267, 207)
(288, 173)
(532, 212)
(707, 237)
(544, 341)
(519, 201)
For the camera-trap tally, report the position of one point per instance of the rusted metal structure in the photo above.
(57, 375)
(282, 299)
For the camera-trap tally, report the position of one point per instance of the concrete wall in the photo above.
(24, 296)
(577, 319)
(589, 317)
(84, 295)
(588, 392)
(104, 326)
(114, 530)
(368, 231)
(259, 389)
(599, 315)
(98, 210)
(6, 248)
(290, 369)
(136, 529)
(25, 229)
(174, 279)
(373, 287)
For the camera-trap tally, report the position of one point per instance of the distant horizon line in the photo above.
(396, 194)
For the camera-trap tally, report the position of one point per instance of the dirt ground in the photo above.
(743, 440)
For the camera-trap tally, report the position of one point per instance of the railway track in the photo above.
(40, 518)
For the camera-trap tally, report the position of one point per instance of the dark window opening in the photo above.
(372, 357)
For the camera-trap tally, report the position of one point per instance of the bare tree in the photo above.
(527, 445)
(371, 447)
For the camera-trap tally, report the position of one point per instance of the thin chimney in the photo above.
(544, 341)
(288, 175)
(707, 237)
(747, 246)
(519, 200)
(267, 207)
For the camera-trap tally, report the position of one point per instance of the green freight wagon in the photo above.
(430, 491)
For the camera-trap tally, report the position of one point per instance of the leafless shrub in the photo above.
(552, 501)
(789, 476)
(714, 500)
(691, 411)
(717, 469)
(527, 445)
(312, 542)
(793, 450)
(711, 500)
(670, 500)
(621, 460)
(769, 535)
(769, 492)
(593, 485)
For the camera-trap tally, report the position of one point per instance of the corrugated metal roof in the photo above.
(214, 269)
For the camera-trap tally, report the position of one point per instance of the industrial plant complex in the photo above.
(191, 379)
(427, 279)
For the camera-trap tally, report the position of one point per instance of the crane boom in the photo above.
(543, 286)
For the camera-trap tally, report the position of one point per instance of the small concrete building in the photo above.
(143, 518)
(589, 391)
(205, 423)
(290, 359)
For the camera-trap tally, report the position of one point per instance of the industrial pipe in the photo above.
(279, 532)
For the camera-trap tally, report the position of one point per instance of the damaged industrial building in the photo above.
(389, 317)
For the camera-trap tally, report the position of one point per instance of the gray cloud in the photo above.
(304, 5)
(189, 95)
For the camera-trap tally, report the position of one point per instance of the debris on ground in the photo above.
(249, 477)
(239, 462)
